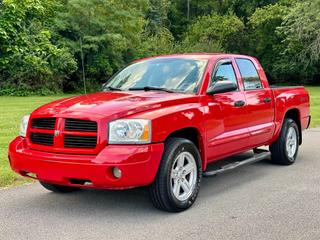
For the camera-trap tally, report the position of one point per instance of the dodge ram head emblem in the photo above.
(56, 133)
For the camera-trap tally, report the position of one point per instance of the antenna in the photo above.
(82, 63)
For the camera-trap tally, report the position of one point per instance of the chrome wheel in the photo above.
(291, 142)
(183, 176)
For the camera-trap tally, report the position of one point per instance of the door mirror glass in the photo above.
(222, 87)
(223, 78)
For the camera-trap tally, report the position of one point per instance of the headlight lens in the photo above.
(130, 131)
(24, 125)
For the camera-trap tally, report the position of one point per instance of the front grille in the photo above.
(72, 141)
(42, 138)
(80, 125)
(43, 123)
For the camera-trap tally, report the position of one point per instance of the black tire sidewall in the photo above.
(287, 125)
(183, 145)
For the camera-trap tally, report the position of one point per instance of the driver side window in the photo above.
(224, 72)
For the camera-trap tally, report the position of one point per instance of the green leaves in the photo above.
(28, 56)
(212, 33)
(108, 30)
(301, 30)
(285, 37)
(40, 39)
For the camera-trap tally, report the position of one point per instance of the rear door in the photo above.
(259, 99)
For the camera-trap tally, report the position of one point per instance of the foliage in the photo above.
(285, 37)
(265, 43)
(106, 31)
(28, 58)
(158, 43)
(301, 32)
(182, 13)
(212, 33)
(49, 46)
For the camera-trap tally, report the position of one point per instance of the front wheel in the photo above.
(178, 179)
(284, 150)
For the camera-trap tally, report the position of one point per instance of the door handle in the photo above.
(239, 103)
(267, 100)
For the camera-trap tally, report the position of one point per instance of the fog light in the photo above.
(116, 172)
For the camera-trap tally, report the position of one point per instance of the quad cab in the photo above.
(159, 123)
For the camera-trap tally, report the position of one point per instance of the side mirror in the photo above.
(222, 87)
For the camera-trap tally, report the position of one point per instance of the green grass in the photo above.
(11, 111)
(315, 105)
(13, 108)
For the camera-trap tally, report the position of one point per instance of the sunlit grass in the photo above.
(315, 105)
(11, 111)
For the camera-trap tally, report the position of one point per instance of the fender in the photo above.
(286, 102)
(168, 120)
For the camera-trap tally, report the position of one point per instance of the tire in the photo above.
(168, 191)
(284, 152)
(58, 188)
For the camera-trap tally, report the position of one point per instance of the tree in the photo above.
(245, 8)
(263, 40)
(285, 37)
(47, 45)
(301, 31)
(157, 15)
(29, 61)
(212, 33)
(182, 13)
(109, 31)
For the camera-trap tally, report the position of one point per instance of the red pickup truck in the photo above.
(159, 122)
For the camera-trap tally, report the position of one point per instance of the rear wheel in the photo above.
(285, 149)
(178, 179)
(58, 188)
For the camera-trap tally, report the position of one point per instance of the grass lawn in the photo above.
(11, 111)
(13, 108)
(315, 105)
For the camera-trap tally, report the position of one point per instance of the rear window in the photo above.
(249, 74)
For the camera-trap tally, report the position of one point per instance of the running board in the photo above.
(256, 158)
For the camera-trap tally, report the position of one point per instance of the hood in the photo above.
(112, 104)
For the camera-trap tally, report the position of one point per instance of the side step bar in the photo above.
(256, 158)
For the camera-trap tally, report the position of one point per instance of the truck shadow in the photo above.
(136, 201)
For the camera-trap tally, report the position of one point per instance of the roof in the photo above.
(201, 55)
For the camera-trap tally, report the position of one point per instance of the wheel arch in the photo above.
(193, 134)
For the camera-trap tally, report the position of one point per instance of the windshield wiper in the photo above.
(149, 88)
(112, 88)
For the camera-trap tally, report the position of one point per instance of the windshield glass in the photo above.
(174, 74)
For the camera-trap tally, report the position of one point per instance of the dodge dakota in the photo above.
(160, 122)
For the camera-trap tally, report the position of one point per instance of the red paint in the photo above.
(223, 129)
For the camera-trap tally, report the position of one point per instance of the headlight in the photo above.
(130, 131)
(24, 125)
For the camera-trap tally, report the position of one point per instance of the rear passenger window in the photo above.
(225, 72)
(249, 74)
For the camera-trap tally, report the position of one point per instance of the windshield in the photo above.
(174, 74)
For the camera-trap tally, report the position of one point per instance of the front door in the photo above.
(226, 119)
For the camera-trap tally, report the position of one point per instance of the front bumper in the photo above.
(138, 164)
